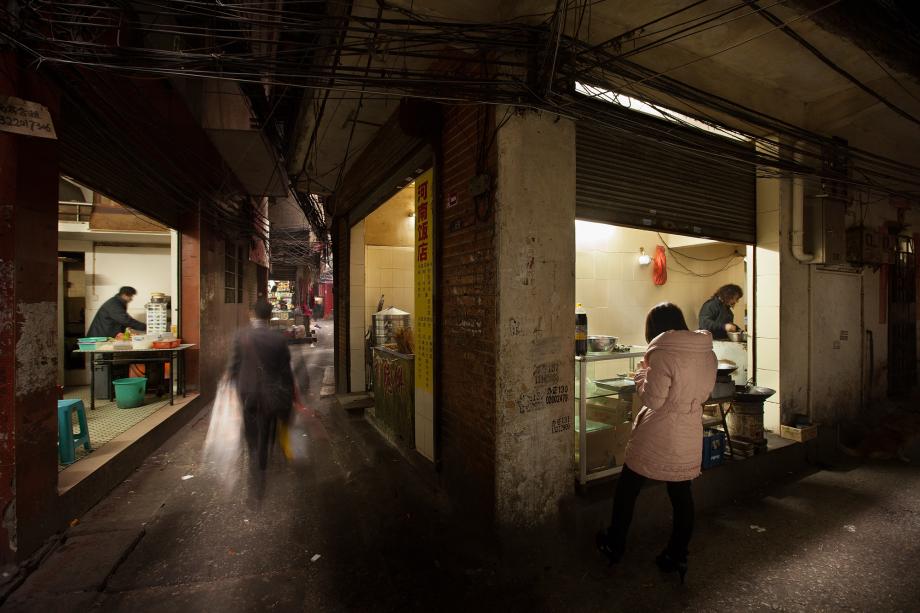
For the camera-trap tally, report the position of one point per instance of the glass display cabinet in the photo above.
(606, 403)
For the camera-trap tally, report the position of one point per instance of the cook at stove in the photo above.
(716, 314)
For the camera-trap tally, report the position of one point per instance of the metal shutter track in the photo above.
(632, 180)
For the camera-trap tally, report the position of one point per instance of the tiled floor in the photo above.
(108, 421)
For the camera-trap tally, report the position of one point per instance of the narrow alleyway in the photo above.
(358, 527)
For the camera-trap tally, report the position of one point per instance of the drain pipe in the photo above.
(798, 212)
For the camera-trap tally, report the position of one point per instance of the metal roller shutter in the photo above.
(658, 176)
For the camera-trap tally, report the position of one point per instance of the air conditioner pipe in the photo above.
(797, 238)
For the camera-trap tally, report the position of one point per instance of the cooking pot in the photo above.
(726, 367)
(753, 394)
(602, 343)
(738, 337)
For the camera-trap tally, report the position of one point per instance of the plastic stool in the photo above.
(67, 440)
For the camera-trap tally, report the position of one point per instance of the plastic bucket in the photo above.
(129, 393)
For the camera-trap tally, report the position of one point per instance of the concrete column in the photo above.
(28, 323)
(535, 241)
(766, 294)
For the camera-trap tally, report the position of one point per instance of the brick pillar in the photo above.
(28, 323)
(190, 297)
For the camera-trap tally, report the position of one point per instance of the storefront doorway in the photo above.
(621, 273)
(382, 276)
(391, 313)
(104, 246)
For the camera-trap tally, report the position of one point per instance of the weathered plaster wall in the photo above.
(535, 207)
(28, 323)
(821, 329)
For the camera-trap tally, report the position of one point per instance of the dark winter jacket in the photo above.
(713, 317)
(113, 318)
(261, 369)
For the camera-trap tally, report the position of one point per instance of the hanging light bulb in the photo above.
(644, 258)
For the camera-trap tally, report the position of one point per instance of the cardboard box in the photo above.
(614, 409)
(805, 433)
(600, 440)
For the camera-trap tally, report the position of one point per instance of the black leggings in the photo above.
(624, 501)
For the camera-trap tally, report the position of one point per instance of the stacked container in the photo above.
(158, 313)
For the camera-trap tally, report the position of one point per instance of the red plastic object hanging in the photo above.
(660, 266)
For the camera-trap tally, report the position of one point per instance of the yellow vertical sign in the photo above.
(424, 281)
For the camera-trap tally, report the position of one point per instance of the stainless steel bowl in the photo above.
(602, 343)
(737, 337)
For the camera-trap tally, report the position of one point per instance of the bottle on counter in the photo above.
(581, 330)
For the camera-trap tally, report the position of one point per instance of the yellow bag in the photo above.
(284, 439)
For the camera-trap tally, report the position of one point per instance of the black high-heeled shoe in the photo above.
(603, 545)
(667, 563)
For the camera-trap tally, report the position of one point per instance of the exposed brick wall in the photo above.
(466, 364)
(341, 280)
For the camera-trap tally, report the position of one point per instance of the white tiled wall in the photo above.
(617, 292)
(767, 297)
(390, 271)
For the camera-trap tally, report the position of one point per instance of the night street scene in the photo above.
(459, 305)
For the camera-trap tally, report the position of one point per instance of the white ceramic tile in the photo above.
(768, 195)
(768, 378)
(767, 353)
(602, 265)
(767, 290)
(767, 324)
(581, 290)
(768, 226)
(584, 265)
(767, 261)
(771, 416)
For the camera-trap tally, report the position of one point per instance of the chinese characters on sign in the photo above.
(24, 117)
(424, 282)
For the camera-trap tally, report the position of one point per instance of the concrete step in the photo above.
(718, 486)
(354, 401)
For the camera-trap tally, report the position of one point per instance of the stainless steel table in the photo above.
(135, 356)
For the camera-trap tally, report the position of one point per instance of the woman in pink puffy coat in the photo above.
(674, 379)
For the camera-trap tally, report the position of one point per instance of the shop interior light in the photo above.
(644, 258)
(590, 236)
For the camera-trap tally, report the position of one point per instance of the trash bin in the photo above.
(103, 381)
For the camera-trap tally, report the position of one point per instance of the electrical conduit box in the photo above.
(867, 246)
(826, 219)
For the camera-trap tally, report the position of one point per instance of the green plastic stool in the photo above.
(67, 440)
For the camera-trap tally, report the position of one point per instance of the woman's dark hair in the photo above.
(727, 292)
(662, 318)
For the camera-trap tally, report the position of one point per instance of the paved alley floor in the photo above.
(356, 527)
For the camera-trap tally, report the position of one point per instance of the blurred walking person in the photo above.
(673, 381)
(261, 372)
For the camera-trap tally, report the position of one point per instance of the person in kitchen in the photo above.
(716, 314)
(673, 380)
(113, 317)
